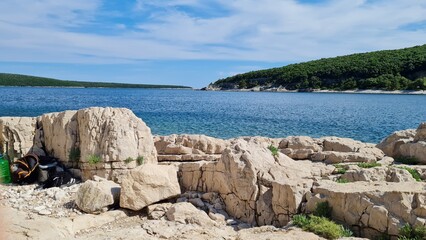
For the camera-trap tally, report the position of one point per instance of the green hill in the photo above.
(7, 79)
(402, 69)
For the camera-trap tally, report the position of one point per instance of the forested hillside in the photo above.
(402, 69)
(19, 80)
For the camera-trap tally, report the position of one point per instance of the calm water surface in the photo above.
(366, 117)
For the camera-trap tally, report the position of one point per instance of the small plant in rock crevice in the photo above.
(407, 232)
(339, 169)
(94, 159)
(129, 160)
(369, 165)
(323, 209)
(74, 155)
(342, 180)
(140, 160)
(273, 150)
(414, 173)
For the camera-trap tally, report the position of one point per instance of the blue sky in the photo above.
(194, 42)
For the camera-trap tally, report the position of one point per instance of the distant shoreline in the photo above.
(370, 91)
(182, 88)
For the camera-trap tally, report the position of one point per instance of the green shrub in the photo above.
(321, 226)
(323, 209)
(369, 165)
(273, 150)
(93, 159)
(129, 160)
(342, 180)
(414, 173)
(74, 155)
(407, 160)
(407, 232)
(300, 220)
(139, 160)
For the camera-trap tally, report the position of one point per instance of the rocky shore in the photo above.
(199, 187)
(283, 89)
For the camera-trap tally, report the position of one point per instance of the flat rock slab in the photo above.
(148, 184)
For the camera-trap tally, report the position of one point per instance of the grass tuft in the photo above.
(93, 159)
(74, 155)
(129, 160)
(321, 226)
(369, 165)
(140, 160)
(273, 150)
(413, 172)
(407, 232)
(342, 180)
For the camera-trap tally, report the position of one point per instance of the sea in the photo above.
(364, 117)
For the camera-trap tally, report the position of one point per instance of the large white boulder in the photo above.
(407, 143)
(148, 184)
(391, 144)
(187, 213)
(97, 196)
(115, 137)
(60, 135)
(17, 135)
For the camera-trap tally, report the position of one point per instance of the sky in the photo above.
(194, 42)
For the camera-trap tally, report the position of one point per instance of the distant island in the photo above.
(18, 80)
(388, 70)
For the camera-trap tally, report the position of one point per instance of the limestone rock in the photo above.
(420, 133)
(298, 153)
(114, 134)
(407, 143)
(177, 149)
(60, 135)
(386, 161)
(341, 157)
(399, 175)
(189, 148)
(272, 233)
(187, 213)
(254, 185)
(376, 209)
(377, 174)
(365, 174)
(94, 196)
(157, 211)
(416, 150)
(300, 142)
(390, 145)
(341, 144)
(202, 143)
(148, 184)
(17, 135)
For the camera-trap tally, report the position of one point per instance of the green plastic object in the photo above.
(4, 170)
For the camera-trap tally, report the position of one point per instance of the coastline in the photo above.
(283, 90)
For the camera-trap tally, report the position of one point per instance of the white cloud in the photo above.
(270, 30)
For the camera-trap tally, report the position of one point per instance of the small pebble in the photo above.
(44, 212)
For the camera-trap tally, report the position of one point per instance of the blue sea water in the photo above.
(365, 117)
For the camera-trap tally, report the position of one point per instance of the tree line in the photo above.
(18, 80)
(402, 69)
